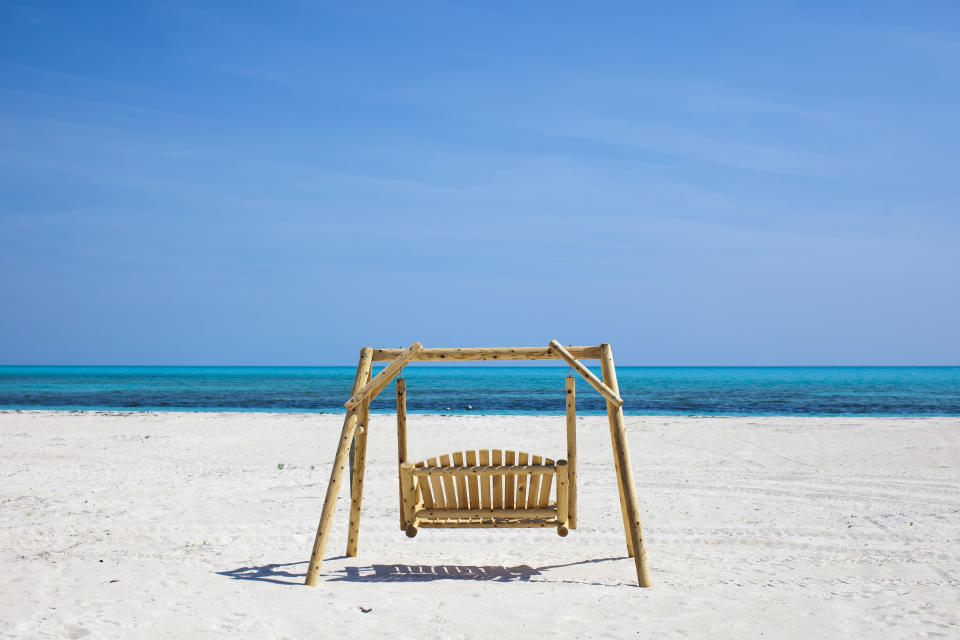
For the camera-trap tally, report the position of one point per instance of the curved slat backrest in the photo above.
(489, 490)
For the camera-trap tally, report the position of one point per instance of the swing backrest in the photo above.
(485, 479)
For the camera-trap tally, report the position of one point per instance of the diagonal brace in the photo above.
(588, 375)
(383, 378)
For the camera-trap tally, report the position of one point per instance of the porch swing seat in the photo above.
(485, 488)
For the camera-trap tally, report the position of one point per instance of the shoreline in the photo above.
(467, 414)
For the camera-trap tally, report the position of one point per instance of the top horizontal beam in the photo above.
(488, 353)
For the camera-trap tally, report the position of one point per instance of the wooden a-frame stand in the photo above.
(353, 437)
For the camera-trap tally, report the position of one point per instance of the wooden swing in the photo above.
(479, 488)
(490, 487)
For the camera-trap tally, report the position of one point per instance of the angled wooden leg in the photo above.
(357, 475)
(330, 501)
(623, 500)
(336, 476)
(621, 455)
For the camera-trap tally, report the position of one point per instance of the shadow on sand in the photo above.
(293, 573)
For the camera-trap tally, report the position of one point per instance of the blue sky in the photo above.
(285, 182)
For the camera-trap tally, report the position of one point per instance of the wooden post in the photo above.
(330, 501)
(358, 469)
(623, 505)
(402, 439)
(571, 396)
(563, 499)
(621, 455)
(408, 498)
(336, 478)
(352, 462)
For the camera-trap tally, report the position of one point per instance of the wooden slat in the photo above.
(449, 486)
(496, 479)
(436, 483)
(473, 486)
(463, 500)
(533, 487)
(494, 524)
(521, 502)
(460, 514)
(425, 494)
(485, 499)
(509, 481)
(545, 483)
(514, 469)
(489, 353)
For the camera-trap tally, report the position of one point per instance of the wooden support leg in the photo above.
(330, 502)
(356, 489)
(616, 465)
(359, 469)
(623, 500)
(402, 440)
(621, 454)
(571, 394)
(336, 475)
(563, 499)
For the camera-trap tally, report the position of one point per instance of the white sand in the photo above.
(775, 527)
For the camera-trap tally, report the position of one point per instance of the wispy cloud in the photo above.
(936, 43)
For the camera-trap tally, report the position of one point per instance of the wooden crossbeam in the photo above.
(488, 353)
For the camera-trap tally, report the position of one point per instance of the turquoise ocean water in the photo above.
(882, 391)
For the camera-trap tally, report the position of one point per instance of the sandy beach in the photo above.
(154, 525)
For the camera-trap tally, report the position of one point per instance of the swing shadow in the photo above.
(293, 573)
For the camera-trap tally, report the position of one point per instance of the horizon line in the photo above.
(482, 363)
